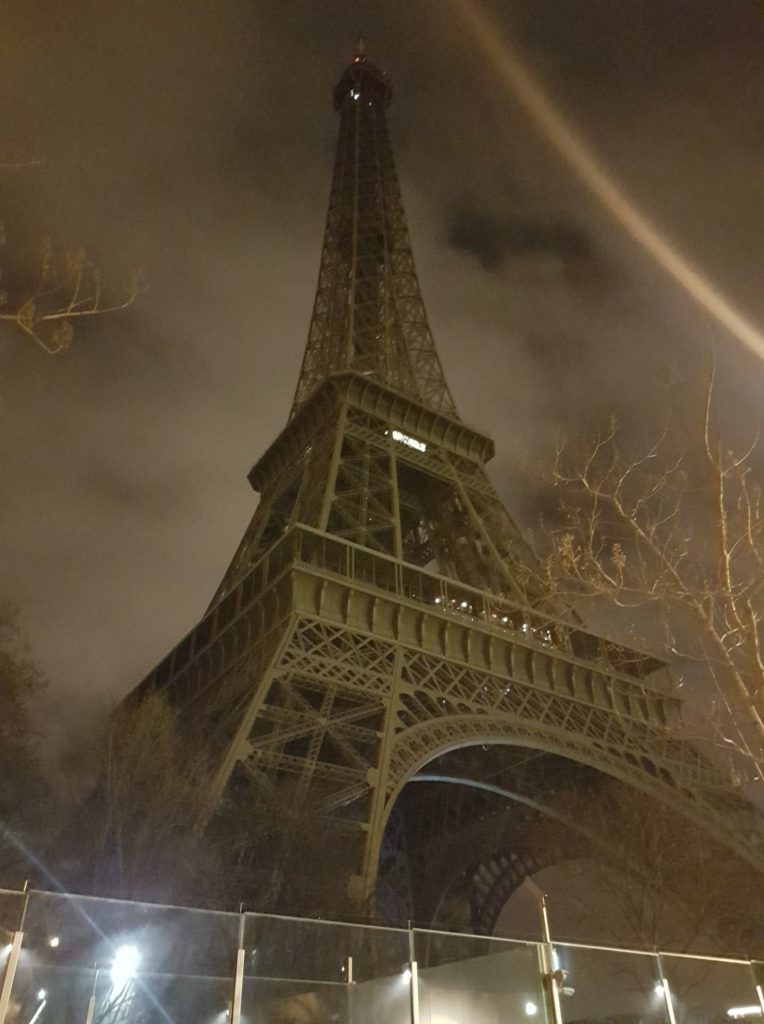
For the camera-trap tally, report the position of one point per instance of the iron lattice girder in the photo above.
(369, 314)
(397, 411)
(446, 678)
(375, 612)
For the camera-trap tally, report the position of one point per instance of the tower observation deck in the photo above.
(374, 614)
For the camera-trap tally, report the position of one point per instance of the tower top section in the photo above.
(369, 317)
(362, 82)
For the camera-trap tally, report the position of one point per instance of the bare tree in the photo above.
(23, 791)
(62, 288)
(675, 534)
(653, 880)
(43, 298)
(142, 819)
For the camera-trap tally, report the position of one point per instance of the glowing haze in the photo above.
(511, 70)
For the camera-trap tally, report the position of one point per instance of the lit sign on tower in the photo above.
(410, 442)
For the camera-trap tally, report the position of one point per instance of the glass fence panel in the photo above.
(379, 572)
(464, 603)
(709, 990)
(471, 980)
(600, 985)
(335, 556)
(421, 586)
(44, 993)
(319, 971)
(142, 961)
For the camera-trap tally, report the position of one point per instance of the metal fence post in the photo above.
(238, 982)
(13, 958)
(666, 991)
(10, 973)
(349, 982)
(759, 988)
(551, 978)
(92, 1000)
(413, 979)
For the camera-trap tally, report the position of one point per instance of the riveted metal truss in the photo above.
(368, 314)
(374, 614)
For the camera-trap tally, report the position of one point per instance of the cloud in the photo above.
(494, 239)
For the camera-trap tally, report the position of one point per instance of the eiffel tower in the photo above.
(373, 618)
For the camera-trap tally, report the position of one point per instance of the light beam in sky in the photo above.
(584, 163)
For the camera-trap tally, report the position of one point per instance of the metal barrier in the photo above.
(86, 960)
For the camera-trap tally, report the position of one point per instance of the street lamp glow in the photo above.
(407, 974)
(54, 941)
(660, 989)
(531, 1009)
(124, 966)
(41, 994)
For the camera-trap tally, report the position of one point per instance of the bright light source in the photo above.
(464, 604)
(437, 600)
(54, 942)
(531, 1009)
(6, 950)
(407, 974)
(41, 994)
(744, 1011)
(410, 442)
(124, 966)
(660, 989)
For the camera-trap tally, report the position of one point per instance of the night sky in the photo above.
(195, 141)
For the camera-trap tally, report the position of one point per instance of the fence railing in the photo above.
(86, 960)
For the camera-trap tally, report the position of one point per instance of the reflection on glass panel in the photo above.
(47, 995)
(710, 990)
(471, 980)
(600, 985)
(143, 962)
(279, 1000)
(314, 971)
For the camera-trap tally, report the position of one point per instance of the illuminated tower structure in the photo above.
(373, 616)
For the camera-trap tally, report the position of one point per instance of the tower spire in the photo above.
(368, 315)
